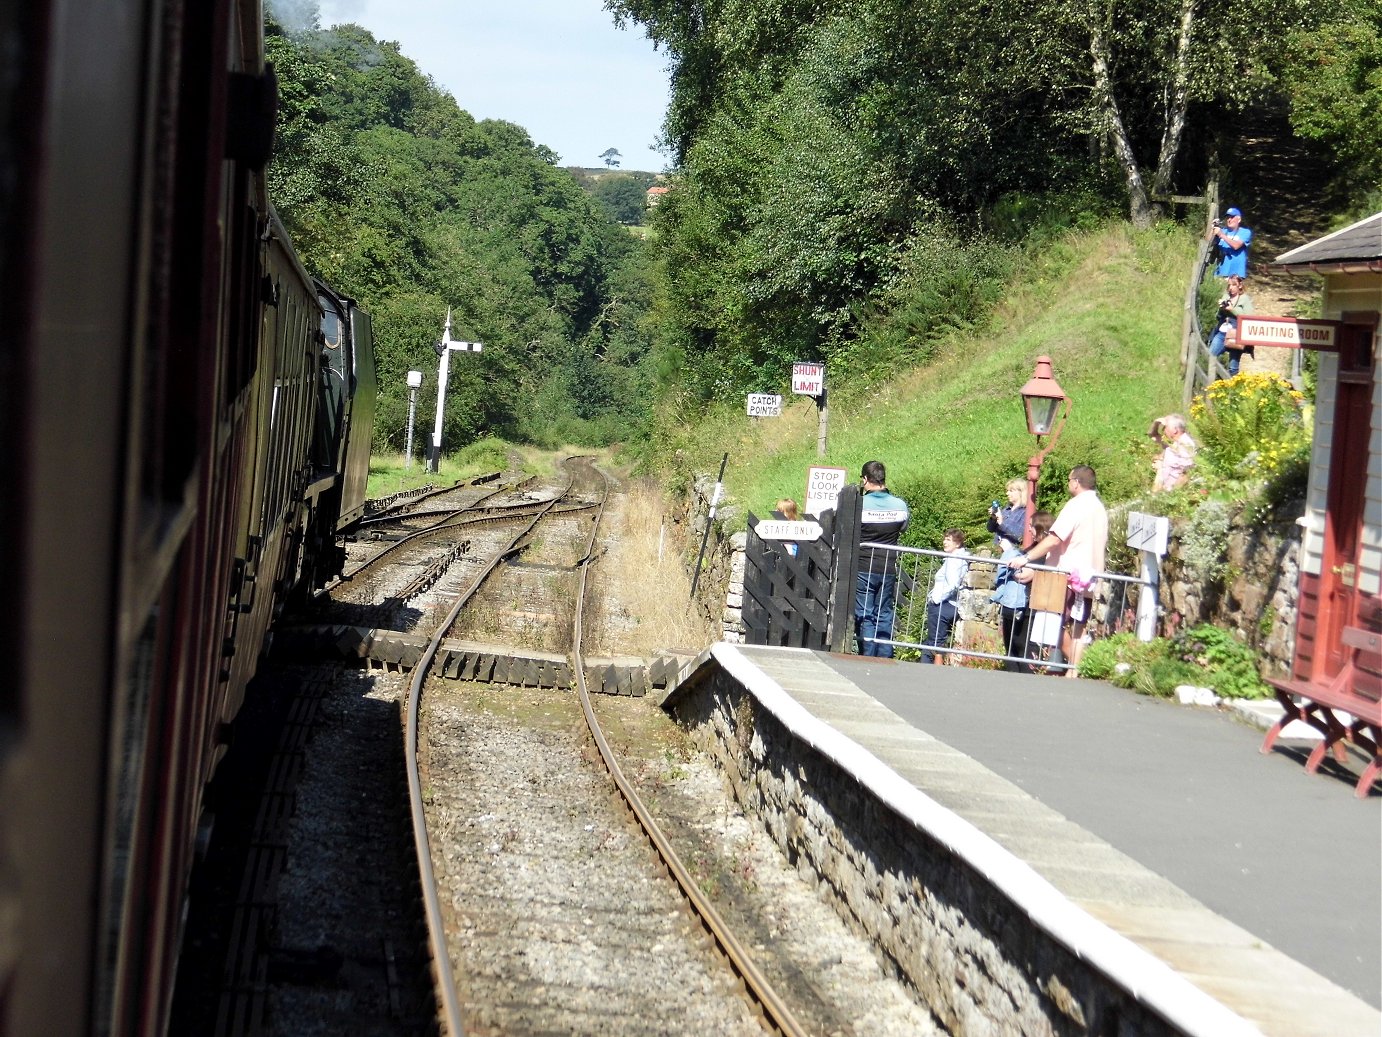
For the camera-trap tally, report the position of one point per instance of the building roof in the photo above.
(1353, 249)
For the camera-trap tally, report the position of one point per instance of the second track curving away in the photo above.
(586, 481)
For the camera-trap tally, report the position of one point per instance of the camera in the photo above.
(993, 506)
(1218, 222)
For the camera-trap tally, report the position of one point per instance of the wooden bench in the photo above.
(1355, 690)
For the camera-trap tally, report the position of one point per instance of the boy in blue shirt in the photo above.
(943, 602)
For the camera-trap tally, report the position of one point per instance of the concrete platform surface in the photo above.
(1259, 883)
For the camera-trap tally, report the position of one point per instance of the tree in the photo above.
(611, 157)
(624, 196)
(1334, 85)
(401, 200)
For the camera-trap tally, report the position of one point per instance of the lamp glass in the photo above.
(1041, 414)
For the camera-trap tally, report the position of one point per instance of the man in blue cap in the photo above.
(1232, 242)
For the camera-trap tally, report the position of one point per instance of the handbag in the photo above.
(1048, 591)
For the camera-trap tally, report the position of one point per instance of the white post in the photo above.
(1150, 536)
(445, 347)
(1147, 606)
(414, 381)
(443, 369)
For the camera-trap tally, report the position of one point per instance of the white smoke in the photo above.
(296, 16)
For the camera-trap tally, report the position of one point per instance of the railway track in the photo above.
(502, 924)
(556, 913)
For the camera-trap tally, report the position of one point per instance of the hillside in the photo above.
(1105, 305)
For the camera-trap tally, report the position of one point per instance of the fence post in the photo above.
(845, 567)
(1192, 340)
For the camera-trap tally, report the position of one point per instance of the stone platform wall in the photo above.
(979, 962)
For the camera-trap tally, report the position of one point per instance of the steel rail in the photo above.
(775, 1011)
(397, 510)
(458, 519)
(436, 928)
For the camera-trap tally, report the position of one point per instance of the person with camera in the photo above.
(1234, 304)
(1173, 465)
(1010, 522)
(1231, 239)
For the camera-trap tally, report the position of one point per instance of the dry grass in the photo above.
(643, 582)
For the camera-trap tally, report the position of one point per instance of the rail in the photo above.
(775, 1011)
(436, 926)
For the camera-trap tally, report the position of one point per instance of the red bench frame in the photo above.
(1355, 690)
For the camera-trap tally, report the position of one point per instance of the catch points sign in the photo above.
(823, 486)
(808, 379)
(764, 405)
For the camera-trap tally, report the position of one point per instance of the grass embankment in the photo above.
(1104, 305)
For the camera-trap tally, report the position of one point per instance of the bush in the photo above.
(1250, 426)
(1099, 658)
(1202, 656)
(1218, 659)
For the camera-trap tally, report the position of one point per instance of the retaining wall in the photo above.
(977, 954)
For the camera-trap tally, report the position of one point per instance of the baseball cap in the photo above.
(1235, 212)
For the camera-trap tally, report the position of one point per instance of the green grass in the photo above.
(1105, 305)
(388, 475)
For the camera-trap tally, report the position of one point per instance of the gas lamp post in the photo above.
(1042, 396)
(444, 350)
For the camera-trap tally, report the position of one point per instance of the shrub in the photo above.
(1250, 425)
(1223, 662)
(1100, 657)
(1202, 656)
(1204, 541)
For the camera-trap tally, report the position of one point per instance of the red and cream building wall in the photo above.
(1341, 549)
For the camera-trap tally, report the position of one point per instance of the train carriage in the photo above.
(184, 452)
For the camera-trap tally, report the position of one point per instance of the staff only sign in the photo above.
(1289, 332)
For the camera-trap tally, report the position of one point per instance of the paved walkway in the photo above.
(1163, 821)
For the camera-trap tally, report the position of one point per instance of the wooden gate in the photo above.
(806, 599)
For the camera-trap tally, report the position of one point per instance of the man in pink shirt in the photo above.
(1077, 544)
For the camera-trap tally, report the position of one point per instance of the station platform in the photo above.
(1253, 882)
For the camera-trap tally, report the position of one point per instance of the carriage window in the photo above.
(332, 326)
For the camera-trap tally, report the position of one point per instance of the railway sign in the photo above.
(1288, 332)
(808, 379)
(781, 529)
(1149, 532)
(823, 486)
(764, 405)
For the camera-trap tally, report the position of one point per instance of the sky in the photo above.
(558, 68)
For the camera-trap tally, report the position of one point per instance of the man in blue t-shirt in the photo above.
(884, 519)
(1231, 239)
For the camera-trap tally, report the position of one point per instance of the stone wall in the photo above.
(981, 965)
(720, 592)
(1256, 596)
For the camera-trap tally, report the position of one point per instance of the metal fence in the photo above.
(976, 636)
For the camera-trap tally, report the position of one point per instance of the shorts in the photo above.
(1079, 609)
